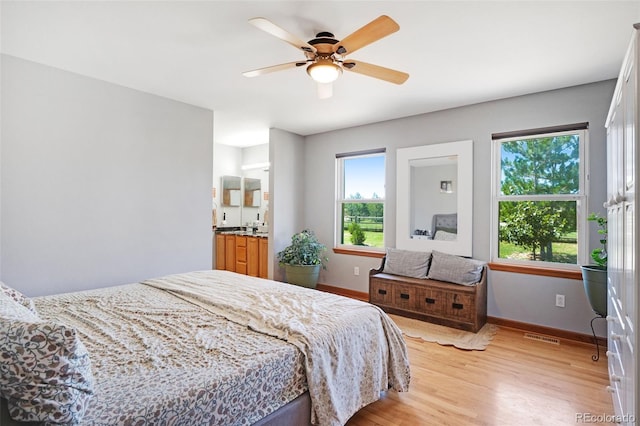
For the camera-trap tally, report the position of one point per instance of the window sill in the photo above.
(535, 270)
(359, 252)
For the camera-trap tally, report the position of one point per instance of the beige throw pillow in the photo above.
(407, 263)
(455, 269)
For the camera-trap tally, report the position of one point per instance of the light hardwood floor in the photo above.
(515, 381)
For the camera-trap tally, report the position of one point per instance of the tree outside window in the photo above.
(540, 198)
(360, 200)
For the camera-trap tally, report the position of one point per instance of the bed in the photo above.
(206, 347)
(444, 226)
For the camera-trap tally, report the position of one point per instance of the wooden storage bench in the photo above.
(453, 305)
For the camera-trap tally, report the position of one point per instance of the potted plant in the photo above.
(594, 277)
(303, 259)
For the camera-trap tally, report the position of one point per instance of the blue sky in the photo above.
(364, 175)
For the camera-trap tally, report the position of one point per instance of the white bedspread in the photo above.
(160, 360)
(352, 349)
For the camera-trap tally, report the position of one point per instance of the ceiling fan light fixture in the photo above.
(324, 56)
(324, 71)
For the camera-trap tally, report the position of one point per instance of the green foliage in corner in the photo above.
(599, 255)
(305, 249)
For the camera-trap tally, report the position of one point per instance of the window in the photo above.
(360, 200)
(540, 198)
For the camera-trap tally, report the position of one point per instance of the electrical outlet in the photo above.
(560, 300)
(356, 270)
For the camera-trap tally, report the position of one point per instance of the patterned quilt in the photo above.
(218, 348)
(352, 350)
(160, 360)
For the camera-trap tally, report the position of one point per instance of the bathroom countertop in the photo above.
(240, 231)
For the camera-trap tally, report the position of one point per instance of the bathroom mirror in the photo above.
(252, 192)
(435, 198)
(231, 191)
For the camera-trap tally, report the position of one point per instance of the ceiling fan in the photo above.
(325, 57)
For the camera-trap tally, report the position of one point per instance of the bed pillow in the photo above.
(10, 309)
(445, 236)
(407, 263)
(455, 269)
(18, 297)
(46, 371)
(449, 230)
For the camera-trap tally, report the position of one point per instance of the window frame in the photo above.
(341, 201)
(581, 198)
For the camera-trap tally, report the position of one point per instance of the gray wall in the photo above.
(101, 184)
(512, 296)
(286, 193)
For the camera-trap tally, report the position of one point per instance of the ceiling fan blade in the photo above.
(373, 31)
(273, 29)
(376, 71)
(325, 90)
(273, 68)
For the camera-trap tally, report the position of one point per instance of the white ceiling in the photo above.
(457, 53)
